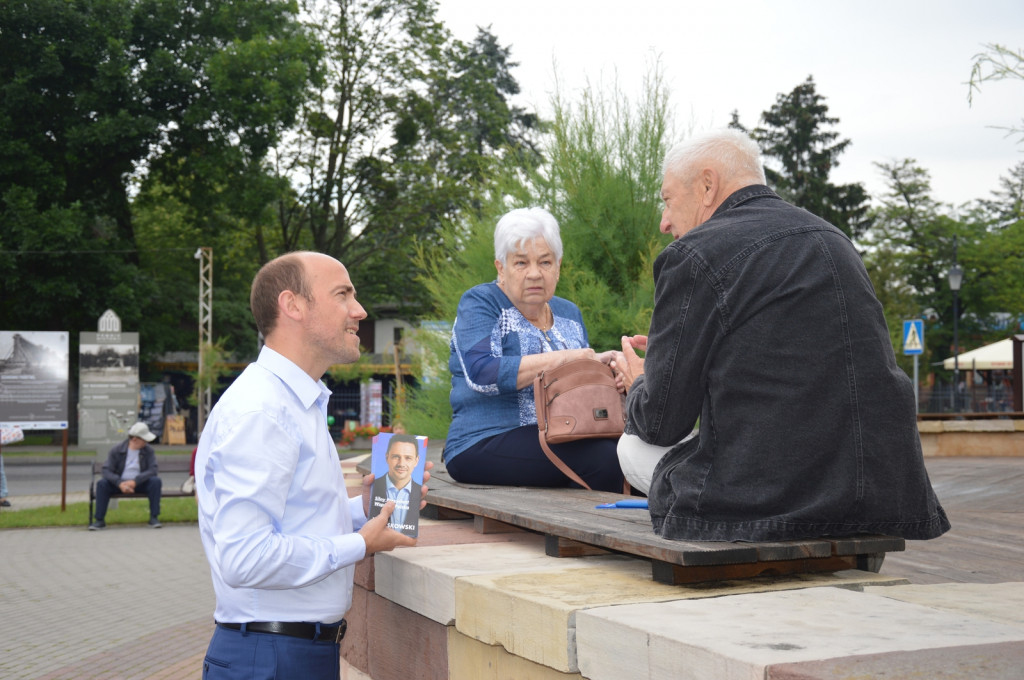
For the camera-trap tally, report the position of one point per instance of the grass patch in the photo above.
(129, 511)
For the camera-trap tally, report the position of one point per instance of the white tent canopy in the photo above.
(997, 356)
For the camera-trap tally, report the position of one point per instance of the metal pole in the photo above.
(1018, 373)
(955, 280)
(956, 351)
(64, 471)
(917, 398)
(205, 257)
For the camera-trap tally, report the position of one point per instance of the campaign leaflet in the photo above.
(397, 462)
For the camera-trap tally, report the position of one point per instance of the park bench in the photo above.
(169, 465)
(574, 527)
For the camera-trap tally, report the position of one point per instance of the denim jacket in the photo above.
(767, 328)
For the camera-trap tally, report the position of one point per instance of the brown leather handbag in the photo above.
(577, 400)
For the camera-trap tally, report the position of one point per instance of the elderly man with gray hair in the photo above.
(766, 330)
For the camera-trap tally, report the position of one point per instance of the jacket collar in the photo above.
(747, 193)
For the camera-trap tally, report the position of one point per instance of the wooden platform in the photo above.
(573, 526)
(984, 499)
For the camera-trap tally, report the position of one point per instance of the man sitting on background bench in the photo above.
(130, 468)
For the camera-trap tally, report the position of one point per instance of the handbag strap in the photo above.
(559, 463)
(542, 428)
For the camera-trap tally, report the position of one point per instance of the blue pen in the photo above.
(628, 503)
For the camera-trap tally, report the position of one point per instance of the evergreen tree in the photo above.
(801, 151)
(1006, 206)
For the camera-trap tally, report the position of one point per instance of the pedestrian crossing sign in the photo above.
(913, 336)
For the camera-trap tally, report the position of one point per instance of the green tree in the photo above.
(448, 141)
(97, 97)
(910, 252)
(404, 125)
(605, 175)
(1006, 206)
(601, 183)
(1000, 250)
(801, 151)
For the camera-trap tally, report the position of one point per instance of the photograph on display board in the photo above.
(34, 379)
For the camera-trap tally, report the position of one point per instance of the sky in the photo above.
(893, 72)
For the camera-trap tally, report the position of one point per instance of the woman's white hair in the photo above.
(518, 226)
(734, 152)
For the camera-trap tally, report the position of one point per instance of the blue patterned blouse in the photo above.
(489, 337)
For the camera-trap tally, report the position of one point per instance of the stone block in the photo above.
(1002, 661)
(354, 645)
(364, 576)
(973, 443)
(423, 578)
(403, 645)
(730, 638)
(469, 659)
(994, 425)
(1002, 602)
(534, 615)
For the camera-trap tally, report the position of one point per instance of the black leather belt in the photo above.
(306, 631)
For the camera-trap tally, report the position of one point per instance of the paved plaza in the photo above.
(134, 603)
(125, 603)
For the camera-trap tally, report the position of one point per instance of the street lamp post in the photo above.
(956, 277)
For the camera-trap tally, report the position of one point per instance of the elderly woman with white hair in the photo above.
(505, 333)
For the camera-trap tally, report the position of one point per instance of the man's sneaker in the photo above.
(155, 523)
(97, 525)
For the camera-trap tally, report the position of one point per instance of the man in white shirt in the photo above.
(280, 533)
(130, 468)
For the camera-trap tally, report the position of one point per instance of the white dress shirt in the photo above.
(274, 516)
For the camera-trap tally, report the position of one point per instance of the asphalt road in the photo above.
(33, 477)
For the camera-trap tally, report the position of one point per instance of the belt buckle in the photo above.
(342, 627)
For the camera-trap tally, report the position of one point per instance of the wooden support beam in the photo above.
(556, 546)
(673, 574)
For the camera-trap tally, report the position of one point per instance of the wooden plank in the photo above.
(570, 514)
(859, 545)
(574, 527)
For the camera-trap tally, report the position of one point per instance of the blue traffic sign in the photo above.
(913, 336)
